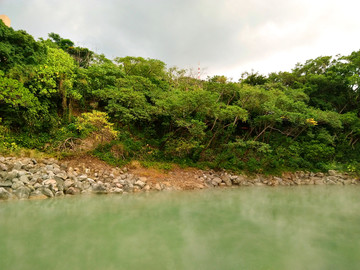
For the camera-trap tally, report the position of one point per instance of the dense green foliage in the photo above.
(304, 119)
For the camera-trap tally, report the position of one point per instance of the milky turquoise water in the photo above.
(243, 228)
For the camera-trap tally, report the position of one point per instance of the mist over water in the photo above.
(243, 228)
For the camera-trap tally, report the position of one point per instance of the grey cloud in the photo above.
(179, 32)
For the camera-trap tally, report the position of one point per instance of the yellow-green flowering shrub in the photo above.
(97, 124)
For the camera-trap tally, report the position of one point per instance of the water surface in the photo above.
(243, 228)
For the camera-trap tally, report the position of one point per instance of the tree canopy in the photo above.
(304, 119)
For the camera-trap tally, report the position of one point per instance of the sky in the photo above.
(227, 37)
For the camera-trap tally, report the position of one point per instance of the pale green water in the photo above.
(245, 228)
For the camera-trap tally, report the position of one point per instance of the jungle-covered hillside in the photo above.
(63, 99)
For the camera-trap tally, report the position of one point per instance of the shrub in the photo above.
(96, 123)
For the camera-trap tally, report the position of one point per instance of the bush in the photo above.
(96, 123)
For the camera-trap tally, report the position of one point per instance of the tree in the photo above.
(130, 100)
(18, 106)
(82, 56)
(18, 48)
(101, 75)
(152, 69)
(253, 78)
(56, 77)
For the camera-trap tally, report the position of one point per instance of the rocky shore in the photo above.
(24, 178)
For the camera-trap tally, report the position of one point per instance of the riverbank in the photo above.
(29, 178)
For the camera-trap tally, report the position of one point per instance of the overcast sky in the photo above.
(227, 37)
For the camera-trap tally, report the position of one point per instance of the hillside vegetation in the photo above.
(62, 99)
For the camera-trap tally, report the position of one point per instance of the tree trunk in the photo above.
(62, 91)
(265, 128)
(70, 109)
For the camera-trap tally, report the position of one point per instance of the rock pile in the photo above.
(23, 178)
(213, 179)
